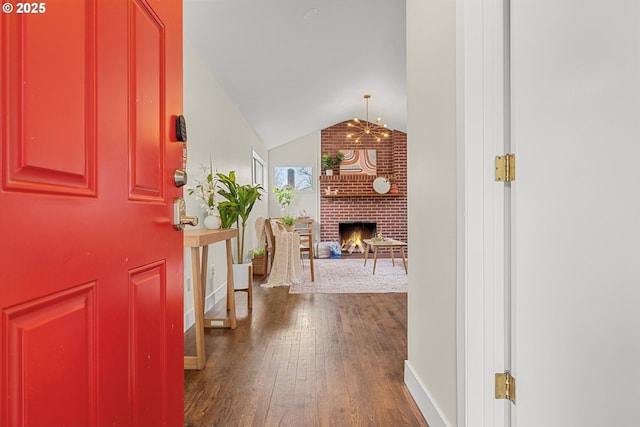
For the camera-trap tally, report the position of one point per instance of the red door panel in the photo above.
(146, 78)
(49, 100)
(52, 341)
(148, 375)
(90, 266)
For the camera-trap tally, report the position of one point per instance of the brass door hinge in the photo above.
(506, 387)
(506, 168)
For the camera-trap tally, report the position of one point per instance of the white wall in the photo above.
(216, 128)
(302, 151)
(431, 76)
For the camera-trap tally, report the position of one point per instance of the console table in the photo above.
(199, 240)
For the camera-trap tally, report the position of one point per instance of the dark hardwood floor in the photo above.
(304, 360)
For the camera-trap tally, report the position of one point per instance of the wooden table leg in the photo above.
(250, 289)
(311, 257)
(230, 286)
(197, 361)
(375, 258)
(203, 272)
(393, 261)
(230, 321)
(366, 253)
(404, 260)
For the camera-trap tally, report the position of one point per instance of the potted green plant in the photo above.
(259, 261)
(256, 252)
(288, 221)
(237, 205)
(329, 162)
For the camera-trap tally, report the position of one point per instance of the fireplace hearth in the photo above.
(352, 234)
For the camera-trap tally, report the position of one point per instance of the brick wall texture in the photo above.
(388, 212)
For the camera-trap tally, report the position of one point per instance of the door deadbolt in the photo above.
(180, 177)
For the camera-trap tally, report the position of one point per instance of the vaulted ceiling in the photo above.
(293, 67)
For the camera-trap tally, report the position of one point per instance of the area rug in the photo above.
(350, 276)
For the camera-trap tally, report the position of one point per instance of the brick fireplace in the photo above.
(356, 201)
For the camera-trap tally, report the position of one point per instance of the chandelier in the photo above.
(376, 130)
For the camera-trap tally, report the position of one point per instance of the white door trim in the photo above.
(480, 302)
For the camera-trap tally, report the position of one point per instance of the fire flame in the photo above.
(354, 242)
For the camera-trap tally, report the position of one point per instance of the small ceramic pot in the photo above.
(212, 222)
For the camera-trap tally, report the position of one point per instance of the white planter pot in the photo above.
(328, 172)
(241, 276)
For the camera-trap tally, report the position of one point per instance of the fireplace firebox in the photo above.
(352, 234)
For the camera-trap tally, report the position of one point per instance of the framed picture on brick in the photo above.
(359, 162)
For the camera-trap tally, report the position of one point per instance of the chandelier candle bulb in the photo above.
(376, 130)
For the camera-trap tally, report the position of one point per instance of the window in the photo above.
(258, 169)
(298, 177)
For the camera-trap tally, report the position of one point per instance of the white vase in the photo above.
(241, 276)
(212, 222)
(328, 172)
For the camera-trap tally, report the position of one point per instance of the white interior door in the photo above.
(576, 212)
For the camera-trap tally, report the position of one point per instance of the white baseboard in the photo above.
(430, 410)
(211, 299)
(189, 319)
(218, 294)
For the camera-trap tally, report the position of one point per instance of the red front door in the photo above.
(91, 269)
